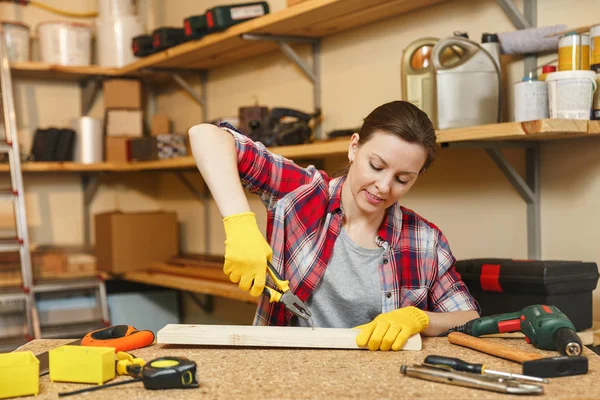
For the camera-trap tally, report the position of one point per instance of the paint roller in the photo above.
(531, 40)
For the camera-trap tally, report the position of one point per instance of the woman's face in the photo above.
(382, 170)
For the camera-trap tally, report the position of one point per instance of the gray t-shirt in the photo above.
(349, 293)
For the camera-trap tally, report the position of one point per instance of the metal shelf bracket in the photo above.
(204, 197)
(528, 188)
(89, 183)
(525, 20)
(89, 92)
(312, 72)
(207, 305)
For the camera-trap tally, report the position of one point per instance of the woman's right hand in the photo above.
(246, 252)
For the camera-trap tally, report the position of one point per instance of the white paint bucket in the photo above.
(114, 8)
(570, 94)
(113, 40)
(16, 36)
(531, 100)
(65, 43)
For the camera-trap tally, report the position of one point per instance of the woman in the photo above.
(350, 251)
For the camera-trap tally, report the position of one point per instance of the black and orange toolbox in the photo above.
(504, 285)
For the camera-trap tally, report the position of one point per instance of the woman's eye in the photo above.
(374, 167)
(401, 181)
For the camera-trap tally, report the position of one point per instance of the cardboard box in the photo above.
(124, 123)
(160, 124)
(160, 147)
(143, 148)
(48, 261)
(117, 148)
(122, 93)
(130, 241)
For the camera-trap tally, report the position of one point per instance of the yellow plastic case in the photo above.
(19, 374)
(82, 364)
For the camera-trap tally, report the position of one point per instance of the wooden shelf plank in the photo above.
(547, 129)
(38, 70)
(198, 285)
(315, 18)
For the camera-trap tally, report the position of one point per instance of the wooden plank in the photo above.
(317, 149)
(172, 163)
(197, 259)
(266, 336)
(210, 272)
(555, 126)
(316, 18)
(38, 70)
(197, 285)
(218, 55)
(370, 14)
(511, 130)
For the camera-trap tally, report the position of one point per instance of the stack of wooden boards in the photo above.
(195, 273)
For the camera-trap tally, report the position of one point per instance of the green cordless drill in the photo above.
(546, 327)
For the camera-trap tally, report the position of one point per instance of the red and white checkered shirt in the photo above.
(304, 219)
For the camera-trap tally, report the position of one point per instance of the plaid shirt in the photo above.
(304, 219)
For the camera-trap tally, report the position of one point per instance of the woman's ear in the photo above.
(353, 147)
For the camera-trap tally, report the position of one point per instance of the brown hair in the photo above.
(404, 120)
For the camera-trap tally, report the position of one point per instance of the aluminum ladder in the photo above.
(9, 144)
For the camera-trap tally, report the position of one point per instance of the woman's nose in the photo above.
(383, 184)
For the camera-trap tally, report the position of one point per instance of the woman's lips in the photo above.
(372, 198)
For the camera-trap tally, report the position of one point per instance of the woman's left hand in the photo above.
(391, 330)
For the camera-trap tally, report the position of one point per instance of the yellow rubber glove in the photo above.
(392, 329)
(246, 252)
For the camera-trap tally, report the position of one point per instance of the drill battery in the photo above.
(222, 17)
(505, 285)
(166, 37)
(142, 45)
(195, 27)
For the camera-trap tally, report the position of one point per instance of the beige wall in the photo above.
(463, 193)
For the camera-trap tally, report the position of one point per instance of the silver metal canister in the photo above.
(531, 100)
(89, 144)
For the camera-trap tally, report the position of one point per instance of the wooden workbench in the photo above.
(229, 373)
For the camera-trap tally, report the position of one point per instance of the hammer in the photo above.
(533, 364)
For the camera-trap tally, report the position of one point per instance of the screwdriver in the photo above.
(460, 365)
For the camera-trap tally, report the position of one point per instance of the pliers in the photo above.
(289, 299)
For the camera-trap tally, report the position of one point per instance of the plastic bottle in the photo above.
(490, 42)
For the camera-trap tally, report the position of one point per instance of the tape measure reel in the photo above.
(170, 373)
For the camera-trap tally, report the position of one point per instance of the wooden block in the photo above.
(574, 126)
(594, 126)
(266, 336)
